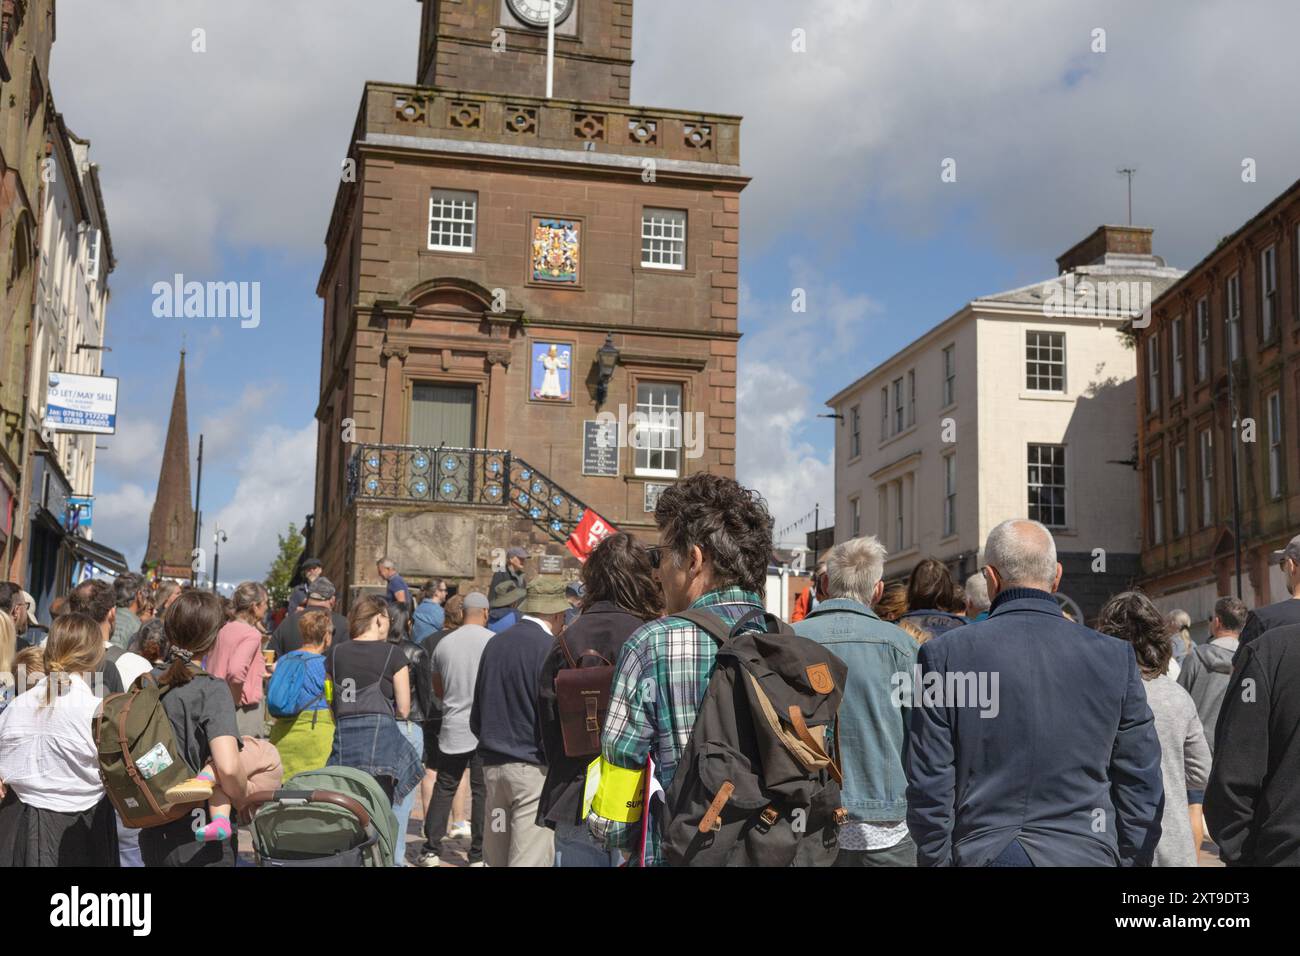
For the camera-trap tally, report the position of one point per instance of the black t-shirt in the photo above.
(370, 667)
(200, 711)
(288, 638)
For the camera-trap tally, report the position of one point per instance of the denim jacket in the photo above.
(373, 743)
(873, 718)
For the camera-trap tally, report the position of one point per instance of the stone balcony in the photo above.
(520, 121)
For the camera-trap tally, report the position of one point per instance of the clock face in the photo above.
(537, 13)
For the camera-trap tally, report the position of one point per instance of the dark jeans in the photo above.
(901, 854)
(451, 767)
(1012, 855)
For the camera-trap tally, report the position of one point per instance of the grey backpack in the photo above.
(756, 785)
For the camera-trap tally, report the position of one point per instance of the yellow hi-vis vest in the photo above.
(614, 793)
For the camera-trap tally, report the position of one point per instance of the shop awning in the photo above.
(101, 556)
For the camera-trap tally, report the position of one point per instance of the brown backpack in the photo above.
(582, 698)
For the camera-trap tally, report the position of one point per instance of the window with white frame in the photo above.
(1045, 361)
(1275, 460)
(1176, 357)
(1268, 292)
(950, 495)
(1205, 454)
(900, 526)
(1180, 491)
(658, 434)
(92, 255)
(663, 239)
(1157, 499)
(1202, 338)
(855, 516)
(453, 220)
(900, 410)
(1153, 373)
(884, 413)
(855, 432)
(911, 398)
(949, 375)
(1232, 316)
(1047, 484)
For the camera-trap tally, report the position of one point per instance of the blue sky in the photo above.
(221, 165)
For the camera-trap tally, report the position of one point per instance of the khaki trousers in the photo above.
(511, 836)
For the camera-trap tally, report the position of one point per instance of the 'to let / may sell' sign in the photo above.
(81, 403)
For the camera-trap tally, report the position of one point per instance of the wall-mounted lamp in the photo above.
(92, 348)
(606, 362)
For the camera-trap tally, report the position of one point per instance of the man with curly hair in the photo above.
(715, 547)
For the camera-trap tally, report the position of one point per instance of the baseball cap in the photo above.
(507, 594)
(476, 600)
(1292, 551)
(517, 553)
(322, 589)
(545, 595)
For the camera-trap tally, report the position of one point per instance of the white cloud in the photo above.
(276, 487)
(771, 407)
(121, 520)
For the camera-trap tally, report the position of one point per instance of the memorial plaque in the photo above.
(600, 449)
(550, 564)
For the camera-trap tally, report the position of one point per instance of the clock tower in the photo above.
(499, 46)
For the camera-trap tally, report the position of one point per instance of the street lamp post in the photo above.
(217, 540)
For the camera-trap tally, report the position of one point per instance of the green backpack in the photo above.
(138, 757)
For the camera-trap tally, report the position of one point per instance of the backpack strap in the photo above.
(801, 731)
(711, 624)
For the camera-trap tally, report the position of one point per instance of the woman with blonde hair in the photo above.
(237, 657)
(8, 652)
(55, 812)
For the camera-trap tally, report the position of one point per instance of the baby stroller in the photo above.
(335, 816)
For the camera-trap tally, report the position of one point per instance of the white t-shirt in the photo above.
(48, 753)
(130, 666)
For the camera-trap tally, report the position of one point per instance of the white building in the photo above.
(71, 298)
(1020, 404)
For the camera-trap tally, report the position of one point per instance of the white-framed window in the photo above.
(855, 516)
(950, 495)
(855, 432)
(1275, 460)
(1268, 292)
(1045, 361)
(1205, 445)
(884, 413)
(1202, 338)
(1157, 499)
(949, 375)
(900, 406)
(900, 525)
(1232, 315)
(453, 219)
(658, 434)
(1153, 373)
(663, 239)
(1176, 357)
(92, 255)
(911, 398)
(1047, 484)
(1180, 491)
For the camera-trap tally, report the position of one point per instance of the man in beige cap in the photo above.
(1286, 611)
(506, 722)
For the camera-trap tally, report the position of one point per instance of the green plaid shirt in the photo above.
(662, 673)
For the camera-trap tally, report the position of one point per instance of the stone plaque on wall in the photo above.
(433, 543)
(550, 564)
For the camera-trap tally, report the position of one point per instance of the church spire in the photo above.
(171, 523)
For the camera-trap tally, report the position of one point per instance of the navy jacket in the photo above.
(1065, 760)
(505, 717)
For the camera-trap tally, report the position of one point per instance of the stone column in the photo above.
(497, 398)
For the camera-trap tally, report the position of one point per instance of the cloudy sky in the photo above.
(222, 165)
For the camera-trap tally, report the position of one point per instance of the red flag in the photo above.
(591, 531)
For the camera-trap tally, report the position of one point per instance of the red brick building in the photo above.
(1226, 333)
(496, 263)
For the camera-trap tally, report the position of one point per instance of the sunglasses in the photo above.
(656, 556)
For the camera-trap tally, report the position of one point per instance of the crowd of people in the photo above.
(978, 724)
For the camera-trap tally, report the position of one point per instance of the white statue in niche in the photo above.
(553, 363)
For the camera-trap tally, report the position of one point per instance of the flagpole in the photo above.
(550, 52)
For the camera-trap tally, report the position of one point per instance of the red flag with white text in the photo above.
(591, 531)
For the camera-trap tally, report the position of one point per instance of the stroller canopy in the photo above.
(361, 787)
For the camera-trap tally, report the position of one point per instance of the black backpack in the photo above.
(755, 785)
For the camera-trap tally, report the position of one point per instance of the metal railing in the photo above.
(473, 477)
